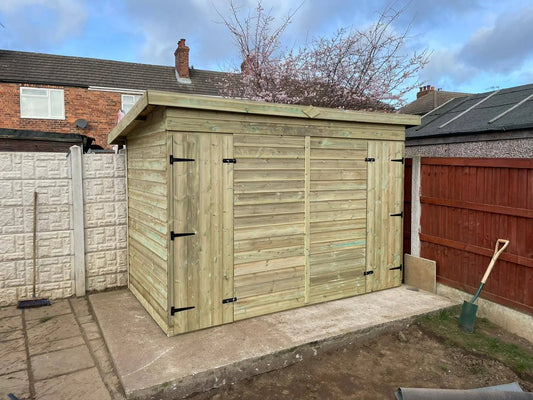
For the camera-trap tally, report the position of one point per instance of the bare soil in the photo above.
(417, 356)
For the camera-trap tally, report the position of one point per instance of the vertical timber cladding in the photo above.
(384, 215)
(269, 223)
(337, 231)
(203, 230)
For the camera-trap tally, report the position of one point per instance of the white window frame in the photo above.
(135, 96)
(48, 91)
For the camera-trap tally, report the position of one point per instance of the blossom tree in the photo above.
(365, 69)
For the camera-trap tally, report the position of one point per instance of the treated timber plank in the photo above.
(268, 231)
(261, 266)
(227, 237)
(341, 144)
(268, 187)
(158, 164)
(194, 225)
(371, 214)
(155, 188)
(268, 127)
(267, 209)
(149, 199)
(267, 254)
(244, 110)
(327, 226)
(180, 206)
(242, 199)
(268, 243)
(307, 216)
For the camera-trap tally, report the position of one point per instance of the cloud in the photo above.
(447, 70)
(503, 47)
(40, 24)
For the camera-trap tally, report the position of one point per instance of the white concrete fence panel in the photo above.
(79, 246)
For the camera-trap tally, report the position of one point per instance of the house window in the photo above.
(42, 103)
(128, 101)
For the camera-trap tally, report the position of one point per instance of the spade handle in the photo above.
(497, 251)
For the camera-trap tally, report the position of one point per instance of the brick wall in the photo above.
(105, 224)
(99, 108)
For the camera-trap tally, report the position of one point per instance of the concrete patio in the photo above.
(151, 365)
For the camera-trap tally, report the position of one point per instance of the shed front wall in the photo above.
(310, 219)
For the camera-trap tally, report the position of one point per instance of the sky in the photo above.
(476, 45)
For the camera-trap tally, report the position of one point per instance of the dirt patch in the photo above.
(417, 356)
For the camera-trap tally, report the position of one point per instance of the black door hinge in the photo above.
(398, 160)
(229, 160)
(399, 267)
(230, 300)
(174, 310)
(400, 214)
(174, 159)
(175, 235)
(370, 159)
(368, 273)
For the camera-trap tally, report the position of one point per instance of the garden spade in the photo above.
(468, 312)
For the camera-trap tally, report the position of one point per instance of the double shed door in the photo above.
(296, 220)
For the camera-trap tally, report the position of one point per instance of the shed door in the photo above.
(384, 215)
(203, 213)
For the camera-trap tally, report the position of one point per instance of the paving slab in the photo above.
(59, 307)
(85, 385)
(61, 362)
(148, 362)
(45, 347)
(10, 335)
(12, 356)
(16, 383)
(50, 328)
(10, 311)
(10, 323)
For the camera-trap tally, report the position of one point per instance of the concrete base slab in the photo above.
(150, 364)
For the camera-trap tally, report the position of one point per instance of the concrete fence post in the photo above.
(416, 208)
(78, 219)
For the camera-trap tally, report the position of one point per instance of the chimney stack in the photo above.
(182, 61)
(425, 90)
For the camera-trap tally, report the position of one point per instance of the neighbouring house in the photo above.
(75, 95)
(428, 99)
(472, 183)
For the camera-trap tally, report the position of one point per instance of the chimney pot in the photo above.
(181, 56)
(425, 90)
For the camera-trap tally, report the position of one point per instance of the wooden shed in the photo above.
(240, 208)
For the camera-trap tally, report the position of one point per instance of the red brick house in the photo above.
(75, 95)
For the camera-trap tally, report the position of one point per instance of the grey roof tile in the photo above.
(38, 68)
(477, 119)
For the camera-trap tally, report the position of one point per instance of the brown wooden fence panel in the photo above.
(466, 205)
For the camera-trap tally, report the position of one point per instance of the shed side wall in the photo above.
(147, 217)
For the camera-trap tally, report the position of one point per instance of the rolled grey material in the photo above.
(453, 394)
